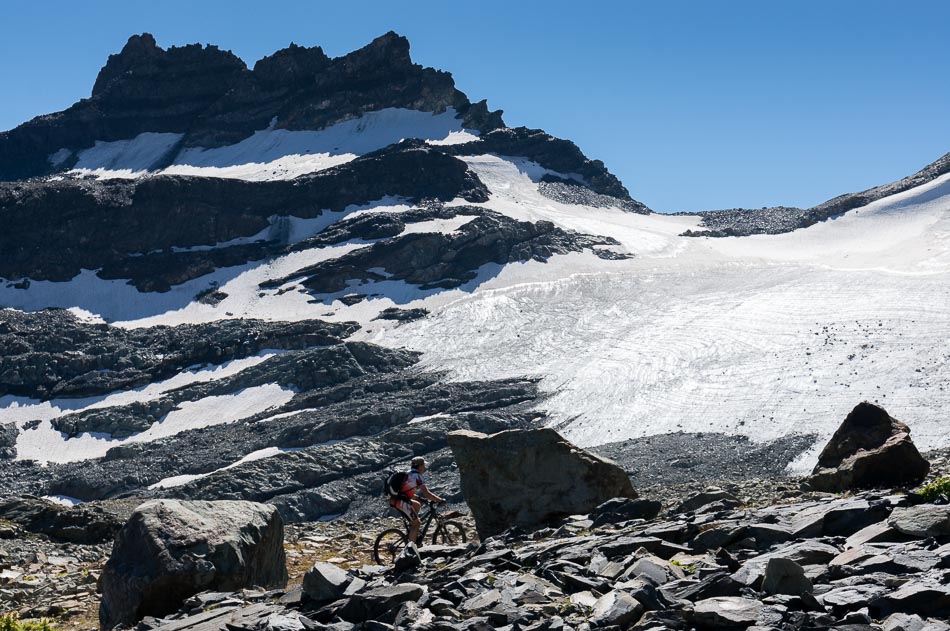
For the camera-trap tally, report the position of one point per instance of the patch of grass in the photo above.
(939, 489)
(689, 569)
(11, 622)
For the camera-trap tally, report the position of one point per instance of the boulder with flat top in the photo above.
(869, 449)
(170, 550)
(528, 478)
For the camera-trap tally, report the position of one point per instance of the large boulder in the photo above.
(170, 550)
(870, 449)
(529, 477)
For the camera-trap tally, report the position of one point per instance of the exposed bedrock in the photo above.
(84, 523)
(568, 191)
(552, 153)
(738, 222)
(127, 229)
(306, 371)
(213, 99)
(355, 409)
(51, 353)
(446, 260)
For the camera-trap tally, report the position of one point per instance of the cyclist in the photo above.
(406, 502)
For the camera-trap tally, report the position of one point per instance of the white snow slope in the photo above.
(269, 154)
(762, 336)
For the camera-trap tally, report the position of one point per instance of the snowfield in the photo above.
(763, 336)
(268, 154)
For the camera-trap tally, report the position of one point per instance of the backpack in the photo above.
(392, 487)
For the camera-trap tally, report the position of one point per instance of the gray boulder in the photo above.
(621, 509)
(869, 449)
(529, 477)
(926, 520)
(170, 550)
(616, 608)
(784, 576)
(325, 582)
(380, 604)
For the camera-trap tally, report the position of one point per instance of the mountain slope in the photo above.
(306, 273)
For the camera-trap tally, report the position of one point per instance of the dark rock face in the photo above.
(79, 524)
(170, 550)
(436, 260)
(402, 315)
(571, 192)
(8, 434)
(528, 478)
(127, 229)
(869, 449)
(551, 153)
(348, 418)
(53, 354)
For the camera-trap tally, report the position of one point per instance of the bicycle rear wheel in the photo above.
(449, 533)
(389, 545)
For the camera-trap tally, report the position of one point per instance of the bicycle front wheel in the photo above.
(449, 533)
(389, 545)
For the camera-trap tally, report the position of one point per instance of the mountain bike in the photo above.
(390, 543)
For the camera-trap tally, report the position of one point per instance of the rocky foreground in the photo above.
(765, 555)
(817, 562)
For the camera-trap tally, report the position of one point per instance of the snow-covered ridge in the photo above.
(268, 154)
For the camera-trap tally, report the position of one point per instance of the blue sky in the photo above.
(694, 105)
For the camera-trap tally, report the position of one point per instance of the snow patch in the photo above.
(63, 500)
(442, 226)
(126, 158)
(260, 454)
(44, 444)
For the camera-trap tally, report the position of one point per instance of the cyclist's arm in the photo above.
(429, 495)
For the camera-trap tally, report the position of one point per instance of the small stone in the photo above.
(408, 559)
(926, 520)
(708, 496)
(727, 611)
(616, 608)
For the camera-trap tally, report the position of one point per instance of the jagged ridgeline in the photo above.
(310, 182)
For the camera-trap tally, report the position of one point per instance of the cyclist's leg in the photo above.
(403, 508)
(414, 523)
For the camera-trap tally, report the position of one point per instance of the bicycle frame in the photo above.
(424, 529)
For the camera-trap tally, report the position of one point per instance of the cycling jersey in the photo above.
(413, 481)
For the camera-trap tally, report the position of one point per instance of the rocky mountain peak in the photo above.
(291, 66)
(390, 49)
(143, 69)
